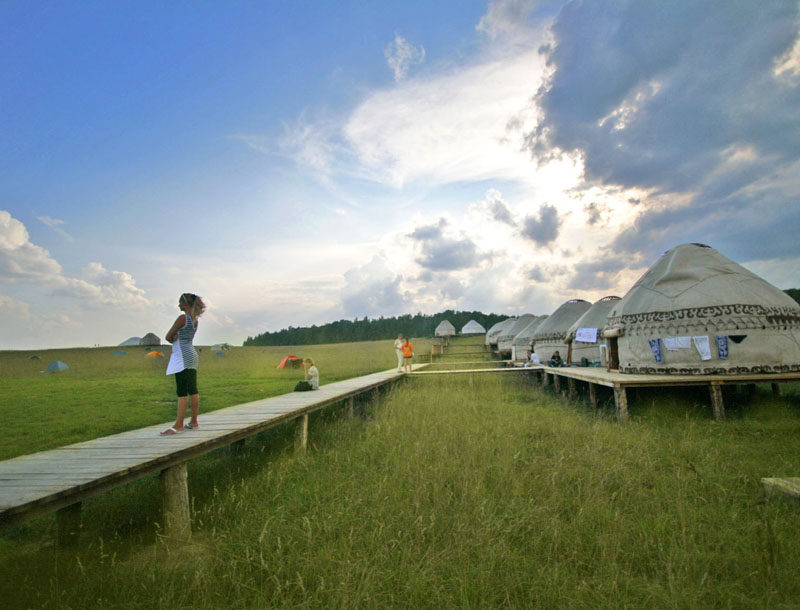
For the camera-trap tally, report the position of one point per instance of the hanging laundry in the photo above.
(703, 346)
(655, 345)
(722, 346)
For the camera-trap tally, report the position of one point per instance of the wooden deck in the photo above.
(58, 480)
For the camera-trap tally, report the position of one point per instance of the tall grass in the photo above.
(494, 495)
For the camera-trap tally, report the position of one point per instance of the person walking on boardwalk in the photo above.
(398, 350)
(183, 362)
(408, 354)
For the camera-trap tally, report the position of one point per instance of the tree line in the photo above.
(365, 329)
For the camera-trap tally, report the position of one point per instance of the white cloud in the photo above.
(401, 55)
(21, 260)
(56, 225)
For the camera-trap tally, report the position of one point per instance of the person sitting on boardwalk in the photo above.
(312, 373)
(408, 355)
(555, 359)
(183, 362)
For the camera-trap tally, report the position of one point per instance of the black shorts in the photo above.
(186, 381)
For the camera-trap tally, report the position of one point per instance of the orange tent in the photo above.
(154, 354)
(285, 363)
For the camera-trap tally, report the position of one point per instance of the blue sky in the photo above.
(301, 162)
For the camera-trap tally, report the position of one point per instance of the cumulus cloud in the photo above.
(594, 212)
(373, 289)
(506, 17)
(443, 253)
(401, 55)
(21, 260)
(597, 275)
(543, 228)
(543, 273)
(705, 115)
(498, 209)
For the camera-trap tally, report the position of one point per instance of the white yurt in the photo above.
(130, 341)
(150, 339)
(505, 340)
(473, 328)
(696, 312)
(552, 333)
(494, 332)
(523, 342)
(585, 336)
(444, 329)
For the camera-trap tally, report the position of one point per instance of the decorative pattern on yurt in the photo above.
(551, 335)
(696, 312)
(585, 336)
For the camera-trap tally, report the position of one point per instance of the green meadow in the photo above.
(452, 491)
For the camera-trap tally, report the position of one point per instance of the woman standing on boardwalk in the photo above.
(398, 350)
(183, 362)
(408, 354)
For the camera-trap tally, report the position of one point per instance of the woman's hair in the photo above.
(194, 302)
(310, 361)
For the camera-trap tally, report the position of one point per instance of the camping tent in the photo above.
(35, 357)
(150, 339)
(219, 355)
(130, 341)
(56, 366)
(505, 340)
(120, 352)
(494, 332)
(444, 329)
(287, 362)
(472, 328)
(585, 336)
(154, 354)
(524, 339)
(551, 334)
(696, 312)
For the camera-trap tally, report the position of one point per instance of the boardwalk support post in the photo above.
(351, 407)
(621, 403)
(301, 441)
(545, 379)
(557, 383)
(572, 391)
(68, 522)
(237, 446)
(593, 396)
(776, 389)
(175, 495)
(716, 401)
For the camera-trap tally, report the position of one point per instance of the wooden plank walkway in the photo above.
(41, 483)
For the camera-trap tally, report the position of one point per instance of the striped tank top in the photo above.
(184, 355)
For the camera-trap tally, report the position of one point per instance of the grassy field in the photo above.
(449, 495)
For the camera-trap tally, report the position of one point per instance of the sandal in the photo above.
(170, 431)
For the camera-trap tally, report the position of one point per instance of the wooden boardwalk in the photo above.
(60, 479)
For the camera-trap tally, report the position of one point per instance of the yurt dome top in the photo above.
(444, 329)
(694, 286)
(558, 323)
(150, 339)
(595, 317)
(473, 328)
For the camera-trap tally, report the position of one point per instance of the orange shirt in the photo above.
(408, 349)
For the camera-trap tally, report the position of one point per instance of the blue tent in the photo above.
(34, 357)
(220, 354)
(120, 352)
(57, 366)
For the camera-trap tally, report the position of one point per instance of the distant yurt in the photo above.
(472, 328)
(551, 334)
(120, 352)
(493, 334)
(696, 312)
(130, 341)
(505, 340)
(221, 347)
(154, 354)
(287, 362)
(523, 342)
(585, 336)
(150, 339)
(56, 366)
(444, 329)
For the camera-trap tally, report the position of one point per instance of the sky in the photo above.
(300, 162)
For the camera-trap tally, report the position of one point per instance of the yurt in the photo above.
(221, 347)
(150, 339)
(696, 312)
(130, 341)
(585, 336)
(551, 334)
(473, 328)
(523, 342)
(505, 340)
(494, 332)
(444, 329)
(56, 366)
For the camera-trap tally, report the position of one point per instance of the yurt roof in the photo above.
(444, 328)
(693, 284)
(511, 331)
(150, 339)
(495, 330)
(595, 316)
(557, 325)
(526, 334)
(130, 341)
(473, 328)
